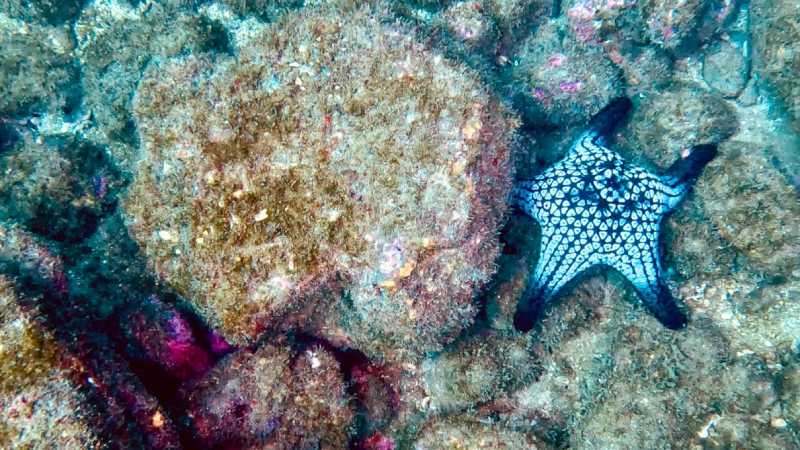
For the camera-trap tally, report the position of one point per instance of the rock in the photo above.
(37, 72)
(463, 433)
(39, 400)
(268, 176)
(726, 68)
(755, 209)
(476, 370)
(468, 22)
(668, 121)
(557, 80)
(776, 51)
(271, 398)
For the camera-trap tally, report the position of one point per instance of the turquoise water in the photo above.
(399, 225)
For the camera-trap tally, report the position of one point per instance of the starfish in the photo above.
(594, 209)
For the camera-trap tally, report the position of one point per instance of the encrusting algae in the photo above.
(338, 148)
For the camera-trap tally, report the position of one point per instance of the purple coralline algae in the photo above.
(559, 80)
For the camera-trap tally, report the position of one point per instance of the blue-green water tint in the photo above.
(595, 371)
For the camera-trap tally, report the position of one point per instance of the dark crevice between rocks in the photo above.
(103, 381)
(555, 12)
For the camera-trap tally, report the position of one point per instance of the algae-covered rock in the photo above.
(271, 398)
(37, 71)
(462, 433)
(645, 68)
(469, 22)
(753, 206)
(30, 256)
(776, 50)
(476, 370)
(669, 121)
(726, 67)
(335, 147)
(558, 80)
(59, 187)
(39, 400)
(115, 39)
(675, 25)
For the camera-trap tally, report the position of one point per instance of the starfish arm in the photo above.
(642, 267)
(587, 144)
(672, 193)
(523, 198)
(602, 125)
(559, 262)
(677, 182)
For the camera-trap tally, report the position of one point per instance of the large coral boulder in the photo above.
(332, 146)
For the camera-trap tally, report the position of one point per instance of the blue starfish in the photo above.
(596, 209)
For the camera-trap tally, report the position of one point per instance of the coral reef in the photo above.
(264, 176)
(271, 398)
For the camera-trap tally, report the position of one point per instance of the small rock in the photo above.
(726, 68)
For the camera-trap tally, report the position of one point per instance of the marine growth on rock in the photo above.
(331, 147)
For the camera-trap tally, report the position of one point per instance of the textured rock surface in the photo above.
(271, 398)
(726, 68)
(37, 71)
(39, 400)
(464, 434)
(674, 119)
(776, 51)
(477, 370)
(301, 160)
(733, 197)
(560, 81)
(357, 170)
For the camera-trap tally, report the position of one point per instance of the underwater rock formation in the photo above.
(59, 188)
(478, 369)
(271, 398)
(776, 51)
(669, 121)
(352, 159)
(302, 160)
(39, 398)
(464, 433)
(558, 80)
(37, 71)
(732, 196)
(114, 41)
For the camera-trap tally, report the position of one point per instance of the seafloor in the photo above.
(284, 225)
